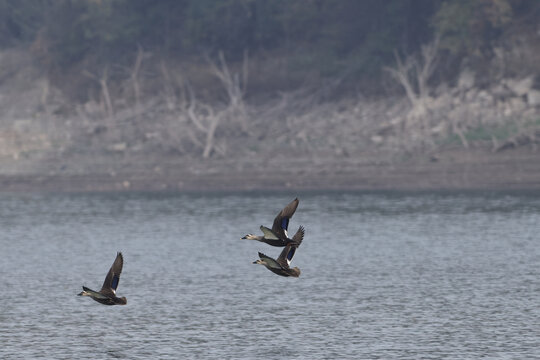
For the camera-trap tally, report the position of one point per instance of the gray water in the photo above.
(383, 276)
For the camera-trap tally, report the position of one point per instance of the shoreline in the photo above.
(516, 169)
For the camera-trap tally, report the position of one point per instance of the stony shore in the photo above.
(458, 137)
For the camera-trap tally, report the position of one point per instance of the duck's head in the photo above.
(295, 272)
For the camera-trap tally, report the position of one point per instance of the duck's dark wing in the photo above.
(298, 237)
(113, 276)
(271, 262)
(281, 222)
(286, 256)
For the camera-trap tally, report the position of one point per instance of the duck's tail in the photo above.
(85, 291)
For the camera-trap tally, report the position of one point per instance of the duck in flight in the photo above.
(107, 294)
(277, 236)
(280, 266)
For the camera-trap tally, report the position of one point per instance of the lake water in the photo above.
(384, 276)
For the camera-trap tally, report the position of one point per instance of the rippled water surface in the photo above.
(383, 276)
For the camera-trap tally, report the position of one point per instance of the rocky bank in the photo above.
(471, 134)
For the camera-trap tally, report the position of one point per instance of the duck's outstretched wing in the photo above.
(269, 261)
(281, 222)
(113, 276)
(298, 237)
(284, 259)
(268, 233)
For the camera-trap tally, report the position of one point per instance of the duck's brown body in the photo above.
(294, 272)
(103, 299)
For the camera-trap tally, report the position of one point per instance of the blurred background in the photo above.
(258, 94)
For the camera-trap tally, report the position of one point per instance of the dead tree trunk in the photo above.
(134, 76)
(206, 121)
(210, 131)
(169, 87)
(525, 137)
(233, 86)
(413, 74)
(202, 119)
(102, 81)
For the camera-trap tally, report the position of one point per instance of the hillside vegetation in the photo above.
(90, 84)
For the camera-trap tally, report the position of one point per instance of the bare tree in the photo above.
(413, 73)
(169, 87)
(103, 83)
(134, 76)
(234, 87)
(206, 121)
(200, 120)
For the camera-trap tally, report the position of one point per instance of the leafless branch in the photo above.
(413, 74)
(134, 76)
(231, 82)
(102, 80)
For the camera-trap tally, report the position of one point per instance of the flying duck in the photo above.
(107, 294)
(277, 236)
(281, 265)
